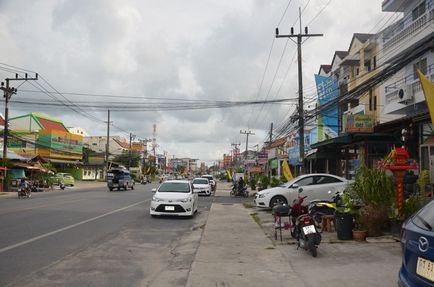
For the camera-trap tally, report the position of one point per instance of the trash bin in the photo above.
(344, 225)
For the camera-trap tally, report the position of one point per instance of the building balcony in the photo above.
(405, 91)
(393, 5)
(407, 31)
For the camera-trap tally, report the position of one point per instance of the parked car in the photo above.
(202, 185)
(316, 186)
(417, 243)
(212, 181)
(66, 178)
(119, 178)
(174, 197)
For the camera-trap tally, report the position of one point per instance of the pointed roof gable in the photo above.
(49, 123)
(362, 37)
(278, 142)
(325, 68)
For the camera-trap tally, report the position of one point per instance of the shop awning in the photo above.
(350, 138)
(65, 161)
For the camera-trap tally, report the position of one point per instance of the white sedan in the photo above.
(316, 186)
(174, 197)
(202, 186)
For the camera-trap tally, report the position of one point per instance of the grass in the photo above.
(248, 205)
(256, 218)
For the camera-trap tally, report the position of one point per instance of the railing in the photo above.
(407, 27)
(391, 91)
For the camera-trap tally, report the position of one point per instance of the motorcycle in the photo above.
(23, 192)
(302, 226)
(237, 192)
(319, 208)
(62, 185)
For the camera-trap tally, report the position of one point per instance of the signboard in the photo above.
(59, 144)
(327, 90)
(359, 123)
(255, 169)
(227, 160)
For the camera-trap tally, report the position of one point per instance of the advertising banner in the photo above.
(327, 90)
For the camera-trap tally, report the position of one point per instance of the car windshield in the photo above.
(175, 187)
(425, 217)
(200, 181)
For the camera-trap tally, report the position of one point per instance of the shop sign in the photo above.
(255, 169)
(359, 123)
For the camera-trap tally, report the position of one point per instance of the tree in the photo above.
(124, 159)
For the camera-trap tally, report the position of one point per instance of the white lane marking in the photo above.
(68, 227)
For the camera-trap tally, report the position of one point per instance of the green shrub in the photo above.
(275, 182)
(373, 187)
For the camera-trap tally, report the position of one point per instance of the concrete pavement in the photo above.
(236, 251)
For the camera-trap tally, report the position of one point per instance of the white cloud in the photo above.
(198, 49)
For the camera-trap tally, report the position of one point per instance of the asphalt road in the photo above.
(91, 237)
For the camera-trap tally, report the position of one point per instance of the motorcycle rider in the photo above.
(24, 187)
(240, 184)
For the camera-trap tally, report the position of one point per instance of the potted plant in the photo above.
(264, 181)
(375, 189)
(359, 231)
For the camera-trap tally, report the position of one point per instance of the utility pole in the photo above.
(107, 144)
(247, 133)
(299, 37)
(269, 146)
(7, 94)
(132, 137)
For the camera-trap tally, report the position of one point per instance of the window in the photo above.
(326, 179)
(370, 100)
(305, 181)
(421, 65)
(418, 11)
(94, 143)
(374, 60)
(425, 217)
(375, 103)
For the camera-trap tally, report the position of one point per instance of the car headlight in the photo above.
(262, 195)
(186, 199)
(156, 199)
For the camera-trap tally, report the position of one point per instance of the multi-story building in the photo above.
(380, 100)
(37, 134)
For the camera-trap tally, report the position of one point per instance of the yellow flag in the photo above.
(229, 174)
(286, 170)
(428, 91)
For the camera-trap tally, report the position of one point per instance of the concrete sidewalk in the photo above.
(234, 251)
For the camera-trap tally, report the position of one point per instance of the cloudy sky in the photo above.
(203, 50)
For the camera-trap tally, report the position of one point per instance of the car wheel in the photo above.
(277, 200)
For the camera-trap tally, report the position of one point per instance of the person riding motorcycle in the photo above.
(240, 185)
(24, 187)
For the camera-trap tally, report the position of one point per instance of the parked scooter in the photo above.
(302, 226)
(62, 185)
(319, 208)
(243, 192)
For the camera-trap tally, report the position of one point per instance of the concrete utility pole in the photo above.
(7, 94)
(132, 137)
(269, 146)
(247, 133)
(299, 37)
(107, 144)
